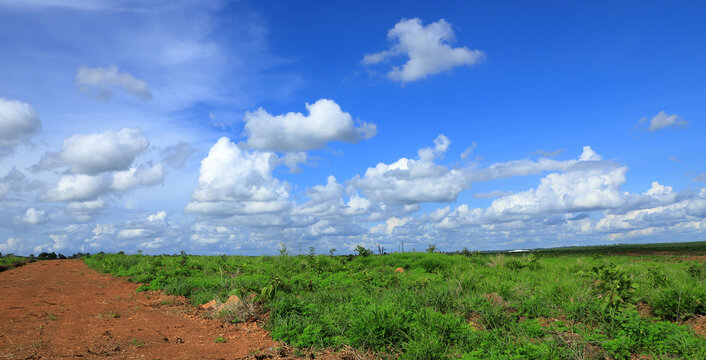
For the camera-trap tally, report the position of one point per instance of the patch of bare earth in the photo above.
(63, 309)
(698, 323)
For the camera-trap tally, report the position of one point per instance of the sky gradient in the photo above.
(236, 126)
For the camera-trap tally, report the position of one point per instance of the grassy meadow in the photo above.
(577, 303)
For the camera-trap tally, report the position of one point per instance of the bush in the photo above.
(676, 302)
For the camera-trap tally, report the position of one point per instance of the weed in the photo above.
(220, 340)
(137, 343)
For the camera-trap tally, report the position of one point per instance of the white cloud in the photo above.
(138, 176)
(131, 233)
(408, 181)
(85, 207)
(576, 190)
(76, 188)
(12, 245)
(428, 50)
(325, 122)
(18, 122)
(158, 217)
(234, 181)
(33, 217)
(96, 153)
(663, 120)
(323, 199)
(394, 222)
(99, 82)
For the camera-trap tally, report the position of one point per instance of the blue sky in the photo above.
(234, 127)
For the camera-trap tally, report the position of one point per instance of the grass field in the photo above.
(11, 261)
(571, 303)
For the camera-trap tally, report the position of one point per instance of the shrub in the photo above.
(613, 285)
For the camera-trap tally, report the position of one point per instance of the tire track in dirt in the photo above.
(63, 309)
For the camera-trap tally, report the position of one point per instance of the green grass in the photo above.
(6, 260)
(544, 305)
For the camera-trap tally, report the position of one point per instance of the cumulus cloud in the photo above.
(96, 153)
(138, 176)
(100, 82)
(581, 189)
(177, 155)
(76, 188)
(413, 181)
(234, 181)
(662, 120)
(18, 123)
(12, 244)
(325, 122)
(427, 48)
(33, 216)
(323, 199)
(408, 181)
(85, 207)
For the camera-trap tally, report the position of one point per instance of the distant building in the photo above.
(519, 251)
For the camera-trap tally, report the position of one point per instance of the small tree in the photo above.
(283, 249)
(362, 251)
(332, 251)
(431, 248)
(312, 251)
(613, 285)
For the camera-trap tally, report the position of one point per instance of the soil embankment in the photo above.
(63, 309)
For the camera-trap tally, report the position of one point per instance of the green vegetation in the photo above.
(542, 305)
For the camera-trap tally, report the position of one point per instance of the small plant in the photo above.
(657, 278)
(697, 270)
(51, 316)
(220, 340)
(431, 248)
(268, 292)
(137, 343)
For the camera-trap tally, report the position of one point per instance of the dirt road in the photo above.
(63, 309)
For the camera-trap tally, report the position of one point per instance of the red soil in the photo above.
(63, 309)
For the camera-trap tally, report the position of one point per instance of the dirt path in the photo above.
(63, 309)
